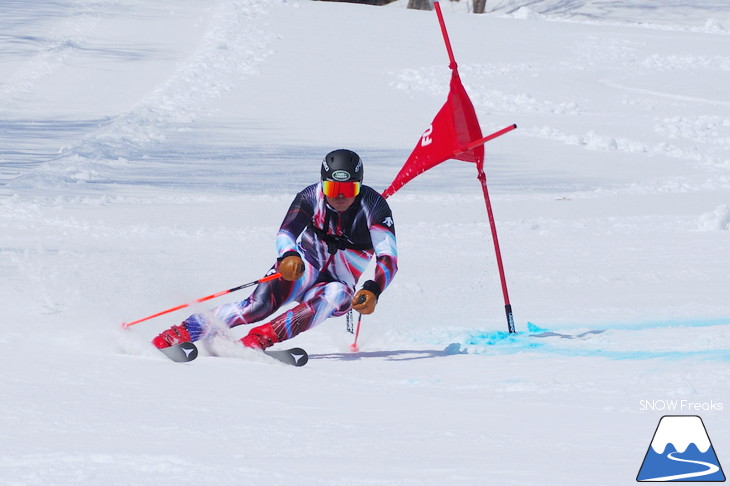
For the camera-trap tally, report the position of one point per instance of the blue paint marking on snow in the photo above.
(506, 342)
(532, 328)
(667, 323)
(565, 343)
(491, 338)
(719, 354)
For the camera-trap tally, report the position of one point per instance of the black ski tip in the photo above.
(181, 353)
(300, 356)
(293, 356)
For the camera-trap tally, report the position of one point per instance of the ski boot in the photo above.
(261, 337)
(171, 337)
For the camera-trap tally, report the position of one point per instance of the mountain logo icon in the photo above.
(681, 451)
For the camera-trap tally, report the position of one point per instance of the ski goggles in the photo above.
(334, 189)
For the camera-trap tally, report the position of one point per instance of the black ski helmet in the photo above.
(342, 165)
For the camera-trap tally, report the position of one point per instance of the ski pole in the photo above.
(203, 299)
(353, 347)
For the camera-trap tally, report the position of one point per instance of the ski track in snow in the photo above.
(231, 48)
(710, 130)
(45, 55)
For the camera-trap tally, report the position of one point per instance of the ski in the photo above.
(181, 353)
(186, 352)
(293, 356)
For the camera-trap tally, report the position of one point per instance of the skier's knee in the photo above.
(339, 298)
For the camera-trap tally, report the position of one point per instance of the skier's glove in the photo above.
(290, 265)
(366, 298)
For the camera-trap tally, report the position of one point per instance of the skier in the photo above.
(327, 239)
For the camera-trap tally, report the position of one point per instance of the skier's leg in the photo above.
(265, 300)
(324, 300)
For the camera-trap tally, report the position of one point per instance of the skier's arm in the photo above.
(382, 235)
(295, 222)
(386, 265)
(386, 257)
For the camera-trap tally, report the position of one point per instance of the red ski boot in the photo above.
(171, 337)
(260, 337)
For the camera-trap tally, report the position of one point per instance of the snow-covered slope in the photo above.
(150, 149)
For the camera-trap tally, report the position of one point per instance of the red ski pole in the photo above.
(353, 347)
(203, 299)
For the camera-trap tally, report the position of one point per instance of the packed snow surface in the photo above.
(149, 150)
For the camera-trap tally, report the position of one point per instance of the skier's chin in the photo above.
(340, 203)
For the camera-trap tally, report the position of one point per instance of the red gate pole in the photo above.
(507, 306)
(452, 60)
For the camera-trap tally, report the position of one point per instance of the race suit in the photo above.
(336, 249)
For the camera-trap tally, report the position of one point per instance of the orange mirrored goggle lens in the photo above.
(334, 189)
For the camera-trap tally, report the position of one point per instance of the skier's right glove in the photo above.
(290, 266)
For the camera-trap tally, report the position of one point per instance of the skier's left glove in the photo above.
(366, 298)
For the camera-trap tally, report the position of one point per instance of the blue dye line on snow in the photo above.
(666, 323)
(502, 342)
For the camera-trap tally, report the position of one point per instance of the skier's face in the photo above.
(340, 203)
